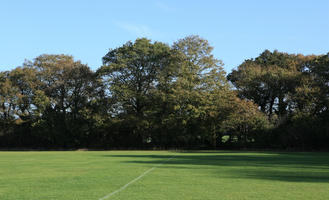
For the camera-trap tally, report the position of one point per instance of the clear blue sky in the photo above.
(87, 29)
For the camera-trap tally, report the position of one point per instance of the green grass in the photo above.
(189, 175)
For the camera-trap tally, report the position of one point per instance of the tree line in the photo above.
(153, 95)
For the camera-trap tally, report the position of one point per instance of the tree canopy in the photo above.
(152, 95)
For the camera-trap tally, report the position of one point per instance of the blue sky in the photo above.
(238, 30)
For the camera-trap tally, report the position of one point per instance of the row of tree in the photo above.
(152, 95)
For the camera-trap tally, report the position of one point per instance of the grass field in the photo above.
(91, 175)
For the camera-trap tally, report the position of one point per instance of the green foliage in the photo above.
(132, 73)
(245, 122)
(292, 90)
(152, 95)
(268, 80)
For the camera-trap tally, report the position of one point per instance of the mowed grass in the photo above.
(201, 175)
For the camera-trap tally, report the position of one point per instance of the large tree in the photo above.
(132, 73)
(200, 90)
(63, 96)
(268, 80)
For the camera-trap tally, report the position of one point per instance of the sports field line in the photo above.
(136, 179)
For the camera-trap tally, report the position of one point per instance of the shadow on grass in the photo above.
(289, 167)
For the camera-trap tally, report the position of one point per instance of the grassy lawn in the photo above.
(91, 175)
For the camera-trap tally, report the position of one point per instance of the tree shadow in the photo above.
(279, 166)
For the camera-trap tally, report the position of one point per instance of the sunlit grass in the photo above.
(189, 175)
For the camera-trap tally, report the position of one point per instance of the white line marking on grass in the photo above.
(136, 179)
